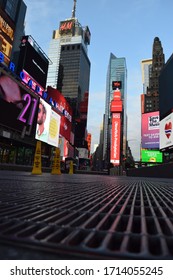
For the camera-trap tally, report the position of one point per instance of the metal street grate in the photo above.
(98, 217)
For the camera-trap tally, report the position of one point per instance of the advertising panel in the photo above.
(43, 121)
(67, 27)
(60, 103)
(18, 106)
(150, 130)
(48, 124)
(83, 108)
(166, 132)
(7, 29)
(115, 140)
(33, 62)
(152, 156)
(54, 128)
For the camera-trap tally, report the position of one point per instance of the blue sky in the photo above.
(125, 28)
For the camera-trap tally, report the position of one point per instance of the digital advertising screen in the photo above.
(166, 132)
(115, 140)
(152, 156)
(33, 63)
(48, 124)
(150, 130)
(18, 105)
(54, 128)
(65, 110)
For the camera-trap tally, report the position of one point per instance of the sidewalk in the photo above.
(85, 217)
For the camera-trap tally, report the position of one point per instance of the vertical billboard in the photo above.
(48, 124)
(150, 130)
(115, 139)
(166, 132)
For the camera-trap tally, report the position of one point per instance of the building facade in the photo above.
(117, 71)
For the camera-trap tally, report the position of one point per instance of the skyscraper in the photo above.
(146, 65)
(151, 98)
(70, 71)
(117, 71)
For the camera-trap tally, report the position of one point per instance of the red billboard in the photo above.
(115, 139)
(61, 105)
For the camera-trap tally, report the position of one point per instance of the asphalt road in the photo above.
(84, 216)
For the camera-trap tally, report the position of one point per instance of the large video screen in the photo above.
(48, 124)
(166, 132)
(34, 64)
(65, 110)
(150, 130)
(18, 105)
(152, 156)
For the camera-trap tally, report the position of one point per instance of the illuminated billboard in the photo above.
(166, 132)
(18, 106)
(7, 29)
(33, 61)
(152, 156)
(115, 140)
(67, 27)
(62, 106)
(150, 130)
(48, 124)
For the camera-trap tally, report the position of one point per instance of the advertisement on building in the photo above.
(61, 105)
(18, 106)
(67, 27)
(6, 35)
(166, 133)
(115, 139)
(48, 124)
(150, 130)
(152, 156)
(33, 61)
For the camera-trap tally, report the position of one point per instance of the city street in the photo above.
(83, 216)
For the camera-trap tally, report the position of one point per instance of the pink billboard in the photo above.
(150, 130)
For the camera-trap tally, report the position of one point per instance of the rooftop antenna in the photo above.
(74, 9)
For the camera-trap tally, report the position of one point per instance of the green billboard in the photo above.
(152, 156)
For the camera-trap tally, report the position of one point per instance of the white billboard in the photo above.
(166, 132)
(48, 124)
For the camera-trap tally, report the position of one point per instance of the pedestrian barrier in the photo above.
(37, 167)
(56, 166)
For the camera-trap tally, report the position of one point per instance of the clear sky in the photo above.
(126, 28)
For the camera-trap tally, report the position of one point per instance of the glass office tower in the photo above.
(70, 70)
(117, 71)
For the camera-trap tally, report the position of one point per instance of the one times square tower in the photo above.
(70, 70)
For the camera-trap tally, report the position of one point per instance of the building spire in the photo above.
(74, 9)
